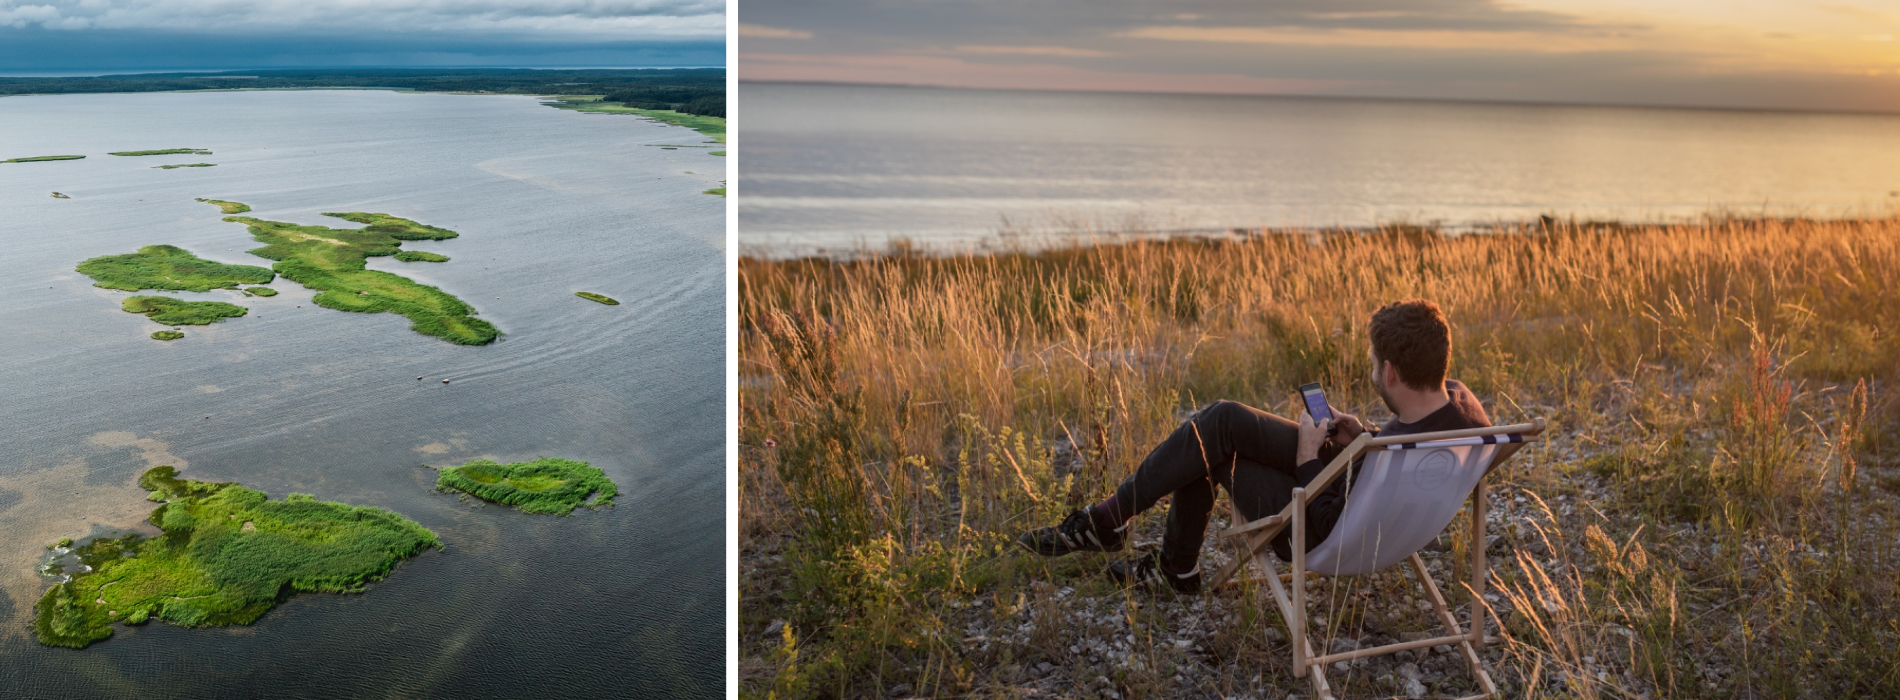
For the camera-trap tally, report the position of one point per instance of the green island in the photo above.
(227, 555)
(719, 153)
(421, 256)
(167, 335)
(334, 263)
(36, 159)
(169, 267)
(184, 165)
(710, 126)
(57, 195)
(260, 291)
(227, 207)
(163, 152)
(178, 312)
(602, 298)
(721, 191)
(548, 485)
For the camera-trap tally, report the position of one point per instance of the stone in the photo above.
(1414, 689)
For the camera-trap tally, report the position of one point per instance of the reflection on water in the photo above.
(833, 165)
(623, 602)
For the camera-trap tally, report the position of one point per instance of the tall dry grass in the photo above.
(1722, 446)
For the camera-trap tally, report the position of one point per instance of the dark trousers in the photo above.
(1248, 451)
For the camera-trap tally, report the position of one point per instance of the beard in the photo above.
(1387, 398)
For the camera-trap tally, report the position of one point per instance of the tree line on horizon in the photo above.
(699, 91)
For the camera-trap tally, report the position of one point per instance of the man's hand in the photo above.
(1311, 436)
(1347, 427)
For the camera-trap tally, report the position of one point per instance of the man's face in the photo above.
(1378, 382)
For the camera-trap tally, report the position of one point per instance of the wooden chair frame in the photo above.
(1254, 538)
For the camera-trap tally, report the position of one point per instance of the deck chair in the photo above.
(1409, 488)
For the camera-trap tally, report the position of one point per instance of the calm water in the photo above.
(828, 165)
(624, 602)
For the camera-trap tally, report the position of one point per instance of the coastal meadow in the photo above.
(1712, 513)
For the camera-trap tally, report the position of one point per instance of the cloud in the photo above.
(1063, 51)
(588, 19)
(1511, 41)
(758, 31)
(1830, 54)
(945, 71)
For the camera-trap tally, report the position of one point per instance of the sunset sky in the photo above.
(1788, 54)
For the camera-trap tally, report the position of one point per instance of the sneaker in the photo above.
(1077, 533)
(1149, 571)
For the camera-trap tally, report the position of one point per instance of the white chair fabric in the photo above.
(1405, 496)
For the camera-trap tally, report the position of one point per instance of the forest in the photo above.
(700, 91)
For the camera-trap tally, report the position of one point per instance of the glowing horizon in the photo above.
(1749, 54)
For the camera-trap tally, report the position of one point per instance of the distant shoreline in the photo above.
(692, 91)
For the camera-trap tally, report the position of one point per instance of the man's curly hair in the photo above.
(1414, 336)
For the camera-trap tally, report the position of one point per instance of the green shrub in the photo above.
(333, 262)
(547, 485)
(178, 312)
(228, 555)
(171, 268)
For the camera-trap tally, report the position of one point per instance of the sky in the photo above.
(39, 37)
(1773, 54)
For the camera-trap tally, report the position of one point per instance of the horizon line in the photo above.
(1368, 98)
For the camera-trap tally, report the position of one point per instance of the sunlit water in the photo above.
(833, 165)
(623, 602)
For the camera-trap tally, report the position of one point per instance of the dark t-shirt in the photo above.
(1464, 411)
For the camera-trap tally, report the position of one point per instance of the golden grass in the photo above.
(904, 415)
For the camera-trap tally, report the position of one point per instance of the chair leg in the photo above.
(1480, 569)
(1298, 621)
(1302, 645)
(1451, 626)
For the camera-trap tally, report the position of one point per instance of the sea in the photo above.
(834, 168)
(622, 602)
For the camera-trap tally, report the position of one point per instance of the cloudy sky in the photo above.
(1793, 54)
(73, 36)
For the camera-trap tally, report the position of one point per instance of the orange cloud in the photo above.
(940, 71)
(763, 32)
(1062, 51)
(1514, 41)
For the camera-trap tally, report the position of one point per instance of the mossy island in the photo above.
(170, 268)
(549, 485)
(184, 165)
(163, 152)
(260, 291)
(228, 554)
(39, 159)
(334, 263)
(421, 256)
(227, 207)
(721, 191)
(602, 298)
(178, 312)
(167, 335)
(57, 195)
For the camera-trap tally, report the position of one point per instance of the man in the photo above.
(1260, 457)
